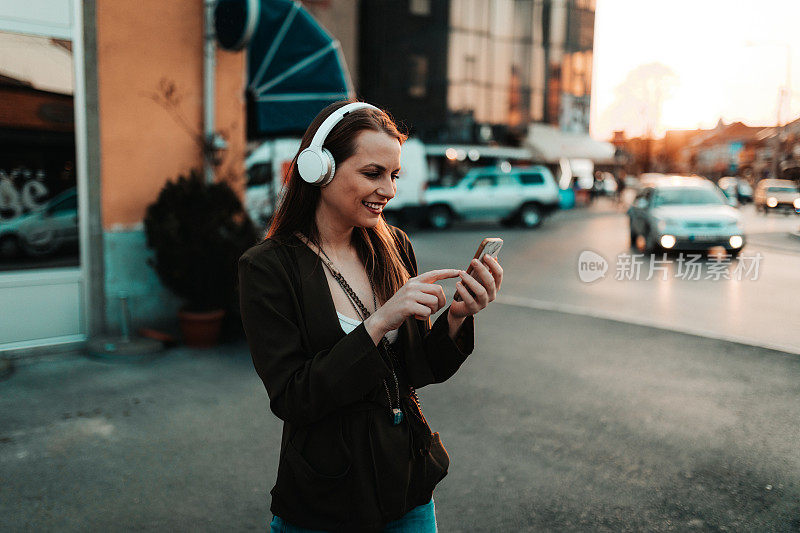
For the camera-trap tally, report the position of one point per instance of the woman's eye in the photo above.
(374, 175)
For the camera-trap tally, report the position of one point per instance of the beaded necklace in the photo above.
(395, 413)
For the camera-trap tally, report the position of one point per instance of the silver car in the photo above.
(512, 195)
(684, 213)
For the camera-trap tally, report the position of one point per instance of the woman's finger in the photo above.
(430, 300)
(467, 299)
(481, 296)
(420, 312)
(435, 275)
(486, 278)
(436, 290)
(497, 270)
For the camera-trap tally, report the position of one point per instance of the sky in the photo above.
(701, 52)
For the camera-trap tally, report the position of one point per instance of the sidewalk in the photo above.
(599, 208)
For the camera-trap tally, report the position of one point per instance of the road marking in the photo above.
(543, 305)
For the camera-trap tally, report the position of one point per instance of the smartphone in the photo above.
(490, 246)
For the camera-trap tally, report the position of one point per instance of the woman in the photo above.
(318, 295)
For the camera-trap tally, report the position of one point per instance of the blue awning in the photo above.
(295, 69)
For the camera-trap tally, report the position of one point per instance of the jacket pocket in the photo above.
(315, 470)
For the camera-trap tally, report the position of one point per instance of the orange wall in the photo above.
(144, 47)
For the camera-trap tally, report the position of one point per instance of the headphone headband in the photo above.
(333, 119)
(315, 163)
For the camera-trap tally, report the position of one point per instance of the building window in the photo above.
(418, 78)
(419, 7)
(38, 179)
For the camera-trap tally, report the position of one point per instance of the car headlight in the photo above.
(796, 203)
(772, 201)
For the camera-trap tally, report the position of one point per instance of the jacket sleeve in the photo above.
(303, 387)
(442, 355)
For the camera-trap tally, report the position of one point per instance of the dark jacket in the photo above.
(343, 465)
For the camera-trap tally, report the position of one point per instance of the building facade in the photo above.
(479, 70)
(102, 103)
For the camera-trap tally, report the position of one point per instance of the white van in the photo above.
(408, 205)
(266, 166)
(270, 161)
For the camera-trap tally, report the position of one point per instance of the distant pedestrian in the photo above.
(357, 454)
(620, 188)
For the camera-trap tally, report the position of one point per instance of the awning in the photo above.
(550, 144)
(295, 69)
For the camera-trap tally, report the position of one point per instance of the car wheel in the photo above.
(633, 239)
(9, 247)
(440, 217)
(530, 216)
(734, 253)
(41, 243)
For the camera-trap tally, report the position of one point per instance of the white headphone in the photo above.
(315, 163)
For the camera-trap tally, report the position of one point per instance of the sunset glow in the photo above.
(729, 59)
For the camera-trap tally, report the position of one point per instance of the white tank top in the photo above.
(349, 324)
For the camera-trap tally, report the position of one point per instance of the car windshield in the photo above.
(781, 189)
(687, 196)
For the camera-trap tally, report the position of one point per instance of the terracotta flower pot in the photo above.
(201, 329)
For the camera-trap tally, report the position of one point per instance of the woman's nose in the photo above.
(387, 187)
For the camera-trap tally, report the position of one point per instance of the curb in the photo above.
(542, 305)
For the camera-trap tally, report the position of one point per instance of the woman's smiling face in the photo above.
(368, 176)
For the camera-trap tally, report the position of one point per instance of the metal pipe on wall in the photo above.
(209, 71)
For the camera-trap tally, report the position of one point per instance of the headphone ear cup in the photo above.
(310, 165)
(327, 154)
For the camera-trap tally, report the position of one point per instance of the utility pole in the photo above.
(785, 93)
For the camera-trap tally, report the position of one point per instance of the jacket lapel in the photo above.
(322, 322)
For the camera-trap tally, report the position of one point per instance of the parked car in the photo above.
(515, 195)
(44, 231)
(776, 194)
(684, 213)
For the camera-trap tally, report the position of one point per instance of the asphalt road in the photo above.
(557, 422)
(755, 304)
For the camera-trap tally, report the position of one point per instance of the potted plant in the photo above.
(198, 231)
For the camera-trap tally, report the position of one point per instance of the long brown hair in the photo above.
(376, 246)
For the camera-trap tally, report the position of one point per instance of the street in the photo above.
(588, 420)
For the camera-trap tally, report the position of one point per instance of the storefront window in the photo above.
(38, 195)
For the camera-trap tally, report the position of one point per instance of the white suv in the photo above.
(523, 195)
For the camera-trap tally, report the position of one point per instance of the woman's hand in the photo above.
(420, 297)
(484, 282)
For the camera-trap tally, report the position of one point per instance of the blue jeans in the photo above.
(420, 519)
